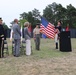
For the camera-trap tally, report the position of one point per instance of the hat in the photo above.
(1, 19)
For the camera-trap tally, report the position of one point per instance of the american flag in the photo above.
(47, 28)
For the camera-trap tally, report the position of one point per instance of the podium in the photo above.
(65, 41)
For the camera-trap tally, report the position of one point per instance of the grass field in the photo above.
(47, 61)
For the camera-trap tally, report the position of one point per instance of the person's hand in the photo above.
(10, 39)
(2, 38)
(34, 38)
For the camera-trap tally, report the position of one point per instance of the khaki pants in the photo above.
(38, 41)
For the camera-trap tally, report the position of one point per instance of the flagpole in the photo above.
(21, 33)
(11, 34)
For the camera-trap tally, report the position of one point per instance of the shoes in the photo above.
(3, 57)
(16, 55)
(56, 45)
(38, 49)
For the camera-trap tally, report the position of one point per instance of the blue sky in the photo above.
(10, 9)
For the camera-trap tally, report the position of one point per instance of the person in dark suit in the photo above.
(17, 37)
(59, 26)
(56, 37)
(58, 29)
(2, 38)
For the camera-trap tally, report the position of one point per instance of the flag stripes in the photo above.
(49, 31)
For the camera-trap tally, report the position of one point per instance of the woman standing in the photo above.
(57, 33)
(56, 37)
(27, 37)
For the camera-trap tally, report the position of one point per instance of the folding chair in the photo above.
(6, 47)
(12, 46)
(23, 47)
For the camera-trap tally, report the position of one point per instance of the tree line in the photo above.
(52, 12)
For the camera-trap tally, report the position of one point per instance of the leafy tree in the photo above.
(71, 16)
(31, 16)
(22, 21)
(5, 26)
(36, 13)
(54, 12)
(23, 15)
(48, 13)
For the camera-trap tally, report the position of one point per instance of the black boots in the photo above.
(56, 45)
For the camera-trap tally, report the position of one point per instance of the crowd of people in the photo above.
(27, 36)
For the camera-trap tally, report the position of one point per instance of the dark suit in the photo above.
(17, 37)
(2, 35)
(57, 36)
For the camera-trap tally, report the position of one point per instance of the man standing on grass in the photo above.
(36, 36)
(2, 38)
(17, 37)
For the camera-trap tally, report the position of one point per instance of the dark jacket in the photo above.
(59, 28)
(2, 32)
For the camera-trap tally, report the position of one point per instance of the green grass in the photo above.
(47, 49)
(33, 64)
